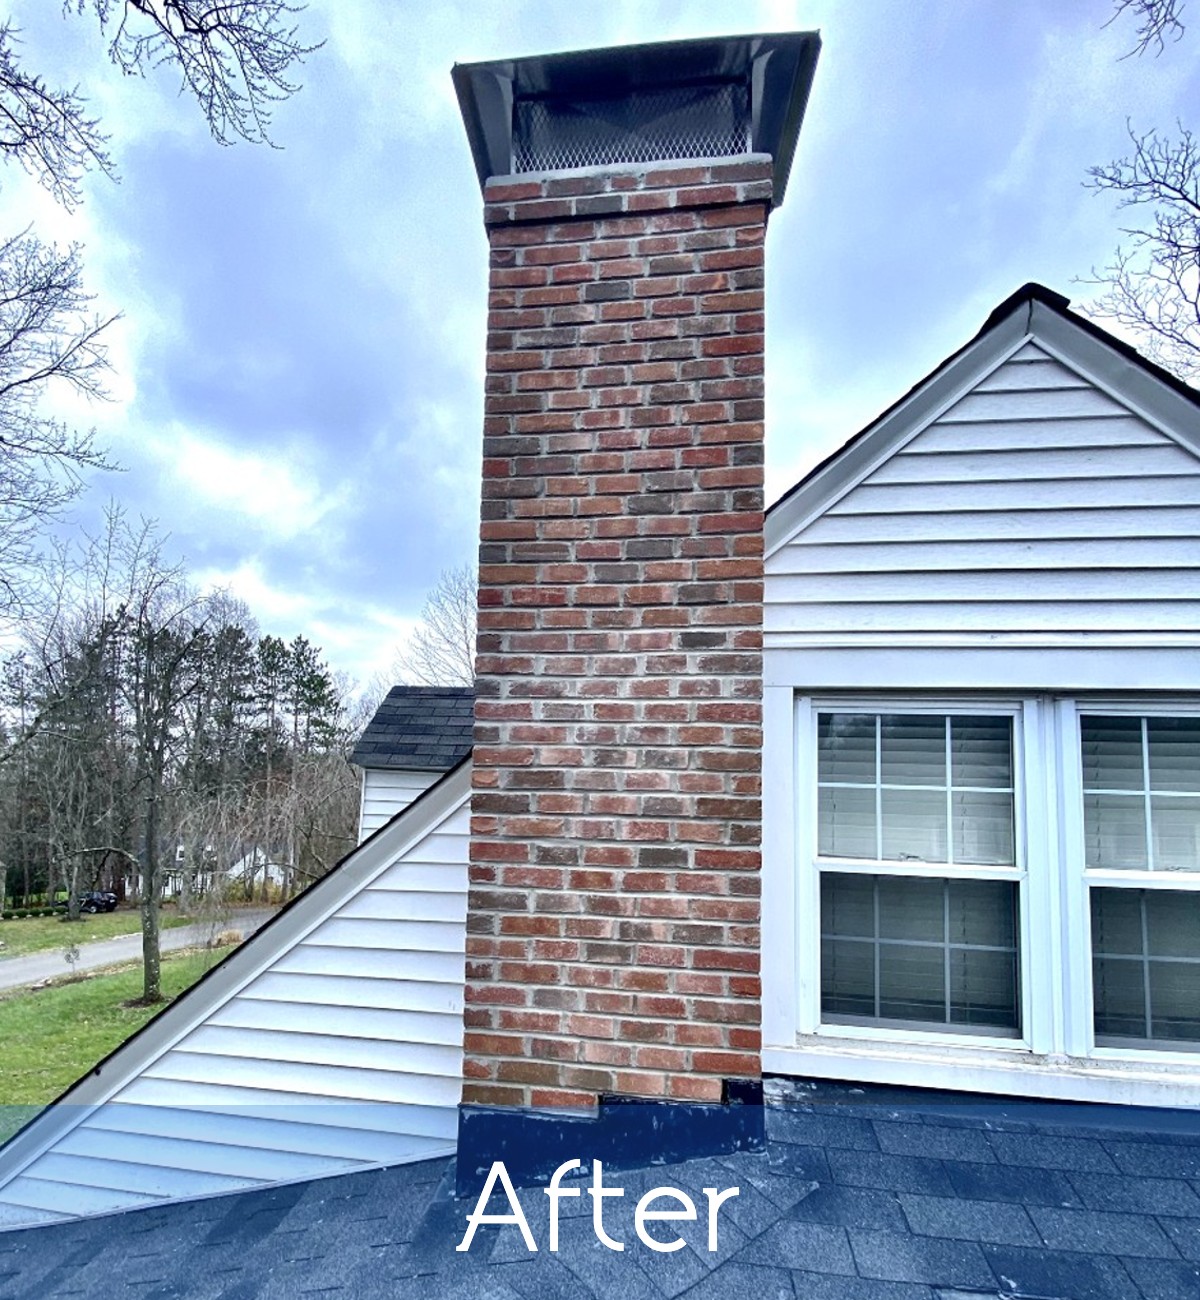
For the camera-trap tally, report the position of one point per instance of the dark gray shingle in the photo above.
(391, 1234)
(422, 728)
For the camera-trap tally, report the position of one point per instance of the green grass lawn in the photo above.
(37, 933)
(52, 1036)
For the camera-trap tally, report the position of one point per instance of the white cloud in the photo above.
(1084, 90)
(279, 496)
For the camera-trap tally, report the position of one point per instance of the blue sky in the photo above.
(299, 367)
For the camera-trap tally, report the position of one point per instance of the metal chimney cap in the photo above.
(663, 102)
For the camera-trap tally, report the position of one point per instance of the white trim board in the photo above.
(1099, 665)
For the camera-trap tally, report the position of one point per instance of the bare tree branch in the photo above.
(441, 651)
(1157, 20)
(1152, 285)
(48, 343)
(236, 58)
(46, 131)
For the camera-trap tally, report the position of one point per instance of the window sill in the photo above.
(1001, 1067)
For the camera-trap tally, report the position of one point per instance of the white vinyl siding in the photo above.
(1035, 503)
(1021, 532)
(387, 791)
(344, 1051)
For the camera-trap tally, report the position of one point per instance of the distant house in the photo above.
(417, 735)
(254, 872)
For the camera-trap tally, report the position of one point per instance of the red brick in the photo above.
(617, 775)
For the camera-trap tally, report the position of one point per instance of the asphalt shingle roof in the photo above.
(858, 1197)
(426, 728)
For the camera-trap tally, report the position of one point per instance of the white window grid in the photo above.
(879, 785)
(946, 946)
(1148, 791)
(1146, 961)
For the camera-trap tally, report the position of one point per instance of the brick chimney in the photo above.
(613, 926)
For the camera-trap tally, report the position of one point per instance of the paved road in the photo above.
(18, 971)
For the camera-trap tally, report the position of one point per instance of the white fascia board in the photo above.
(1121, 377)
(865, 453)
(356, 871)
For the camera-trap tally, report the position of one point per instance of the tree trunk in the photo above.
(185, 885)
(73, 890)
(151, 888)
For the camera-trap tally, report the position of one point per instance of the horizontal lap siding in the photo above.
(387, 792)
(345, 1132)
(377, 1120)
(1036, 503)
(413, 967)
(308, 991)
(312, 1078)
(375, 1023)
(345, 1052)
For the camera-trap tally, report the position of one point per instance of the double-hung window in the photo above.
(918, 861)
(1018, 873)
(1140, 783)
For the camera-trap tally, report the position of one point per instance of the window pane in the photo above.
(1117, 922)
(846, 822)
(1114, 828)
(981, 752)
(910, 954)
(983, 828)
(1174, 753)
(912, 982)
(847, 978)
(1152, 996)
(912, 749)
(910, 788)
(848, 907)
(1112, 753)
(1172, 923)
(914, 825)
(1162, 775)
(911, 909)
(983, 988)
(1119, 994)
(846, 747)
(982, 912)
(1175, 1000)
(1176, 822)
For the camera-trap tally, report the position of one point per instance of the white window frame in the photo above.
(1079, 879)
(813, 866)
(1054, 918)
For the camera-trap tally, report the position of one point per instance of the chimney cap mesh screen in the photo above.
(653, 125)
